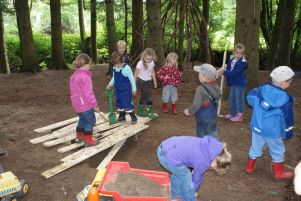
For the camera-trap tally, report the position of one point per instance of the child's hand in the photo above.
(155, 85)
(186, 112)
(220, 72)
(134, 93)
(109, 86)
(96, 109)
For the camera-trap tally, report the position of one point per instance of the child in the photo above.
(121, 48)
(237, 81)
(125, 87)
(83, 99)
(171, 79)
(204, 104)
(272, 120)
(179, 153)
(144, 74)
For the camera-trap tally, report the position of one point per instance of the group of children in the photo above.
(272, 118)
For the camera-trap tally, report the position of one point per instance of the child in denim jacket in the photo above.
(204, 104)
(272, 120)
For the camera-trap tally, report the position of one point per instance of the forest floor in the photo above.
(31, 101)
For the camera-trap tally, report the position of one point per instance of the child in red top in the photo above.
(170, 77)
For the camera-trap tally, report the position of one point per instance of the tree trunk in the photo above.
(206, 10)
(272, 51)
(181, 33)
(111, 33)
(81, 23)
(126, 21)
(264, 24)
(28, 55)
(285, 41)
(93, 31)
(137, 30)
(57, 53)
(247, 33)
(4, 67)
(297, 34)
(154, 29)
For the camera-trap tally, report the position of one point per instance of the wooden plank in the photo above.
(90, 151)
(63, 131)
(49, 128)
(127, 132)
(97, 135)
(110, 155)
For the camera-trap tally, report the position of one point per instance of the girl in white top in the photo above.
(144, 74)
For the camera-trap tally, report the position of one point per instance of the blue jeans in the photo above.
(206, 119)
(275, 145)
(86, 121)
(236, 100)
(169, 94)
(180, 179)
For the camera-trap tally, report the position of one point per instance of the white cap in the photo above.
(282, 74)
(207, 70)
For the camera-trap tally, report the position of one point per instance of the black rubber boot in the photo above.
(121, 116)
(133, 117)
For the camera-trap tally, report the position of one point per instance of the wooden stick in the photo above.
(91, 151)
(110, 155)
(221, 87)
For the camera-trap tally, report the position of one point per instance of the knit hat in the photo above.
(207, 70)
(282, 74)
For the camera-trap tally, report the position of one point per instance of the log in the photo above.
(49, 128)
(90, 151)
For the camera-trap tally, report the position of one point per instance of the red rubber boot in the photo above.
(164, 107)
(279, 171)
(174, 108)
(250, 166)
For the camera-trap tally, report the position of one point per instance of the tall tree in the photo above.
(4, 66)
(272, 51)
(137, 29)
(247, 33)
(154, 29)
(206, 10)
(81, 23)
(57, 53)
(111, 33)
(181, 33)
(93, 31)
(126, 21)
(28, 55)
(285, 42)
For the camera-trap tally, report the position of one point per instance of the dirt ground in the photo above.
(31, 101)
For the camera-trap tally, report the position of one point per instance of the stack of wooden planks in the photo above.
(62, 133)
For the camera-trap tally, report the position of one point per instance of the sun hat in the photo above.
(282, 74)
(207, 70)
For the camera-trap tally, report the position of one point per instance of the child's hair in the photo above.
(148, 52)
(223, 161)
(240, 47)
(81, 60)
(117, 58)
(171, 55)
(121, 42)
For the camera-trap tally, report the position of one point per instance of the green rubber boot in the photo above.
(141, 113)
(150, 112)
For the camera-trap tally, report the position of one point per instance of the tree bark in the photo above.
(57, 52)
(285, 41)
(81, 23)
(126, 21)
(181, 33)
(154, 29)
(206, 10)
(272, 51)
(111, 33)
(4, 66)
(28, 55)
(247, 33)
(93, 31)
(137, 30)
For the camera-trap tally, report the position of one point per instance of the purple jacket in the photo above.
(194, 152)
(81, 91)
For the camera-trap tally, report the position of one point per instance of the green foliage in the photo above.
(13, 52)
(72, 46)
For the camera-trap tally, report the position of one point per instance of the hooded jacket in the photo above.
(194, 152)
(272, 111)
(81, 91)
(236, 76)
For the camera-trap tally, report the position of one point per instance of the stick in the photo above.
(221, 87)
